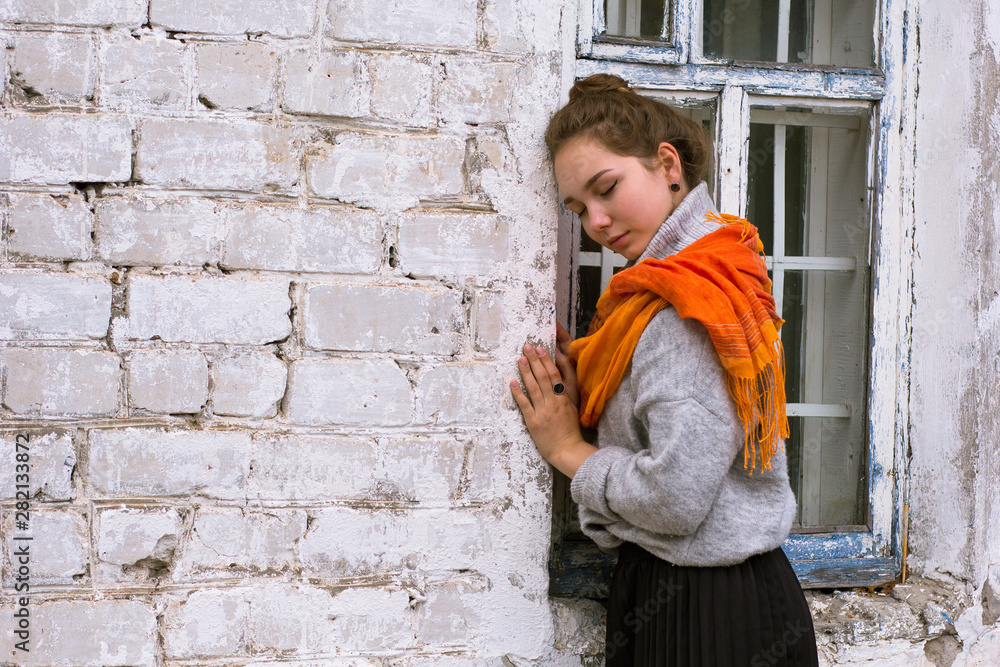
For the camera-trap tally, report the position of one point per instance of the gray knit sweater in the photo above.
(668, 474)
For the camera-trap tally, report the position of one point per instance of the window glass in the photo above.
(808, 197)
(818, 32)
(639, 19)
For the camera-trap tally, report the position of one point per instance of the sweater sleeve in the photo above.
(687, 430)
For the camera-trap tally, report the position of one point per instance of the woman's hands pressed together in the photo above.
(551, 418)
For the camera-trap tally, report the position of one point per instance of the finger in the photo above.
(530, 383)
(564, 365)
(519, 398)
(539, 370)
(563, 339)
(549, 364)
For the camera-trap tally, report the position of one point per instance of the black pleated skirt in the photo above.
(748, 615)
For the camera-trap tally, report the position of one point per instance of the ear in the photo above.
(671, 161)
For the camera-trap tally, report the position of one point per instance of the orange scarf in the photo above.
(721, 281)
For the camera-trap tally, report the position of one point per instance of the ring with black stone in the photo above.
(558, 388)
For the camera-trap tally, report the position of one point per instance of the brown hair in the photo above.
(604, 108)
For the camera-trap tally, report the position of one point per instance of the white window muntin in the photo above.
(685, 30)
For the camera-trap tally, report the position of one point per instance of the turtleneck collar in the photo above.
(685, 225)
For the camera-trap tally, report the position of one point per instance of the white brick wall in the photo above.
(208, 309)
(168, 382)
(216, 155)
(153, 232)
(123, 13)
(141, 73)
(44, 306)
(248, 385)
(240, 75)
(58, 67)
(287, 238)
(49, 227)
(63, 148)
(399, 170)
(61, 382)
(102, 633)
(261, 290)
(53, 461)
(296, 18)
(383, 318)
(348, 392)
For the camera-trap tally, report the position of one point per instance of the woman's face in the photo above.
(620, 201)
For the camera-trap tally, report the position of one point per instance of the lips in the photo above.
(617, 240)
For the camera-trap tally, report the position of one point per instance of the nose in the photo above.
(598, 219)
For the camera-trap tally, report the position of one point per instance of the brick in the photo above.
(134, 231)
(376, 169)
(445, 23)
(62, 148)
(58, 550)
(383, 318)
(453, 393)
(156, 462)
(57, 382)
(445, 660)
(208, 623)
(281, 618)
(236, 76)
(123, 13)
(423, 467)
(350, 392)
(307, 467)
(448, 615)
(58, 68)
(135, 541)
(208, 309)
(40, 306)
(289, 618)
(168, 382)
(144, 73)
(227, 542)
(447, 244)
(507, 25)
(288, 238)
(52, 458)
(52, 227)
(224, 17)
(325, 662)
(326, 84)
(488, 318)
(82, 633)
(344, 542)
(476, 92)
(227, 154)
(401, 88)
(248, 385)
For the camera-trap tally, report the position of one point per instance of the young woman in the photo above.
(682, 376)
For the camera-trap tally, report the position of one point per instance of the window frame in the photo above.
(849, 557)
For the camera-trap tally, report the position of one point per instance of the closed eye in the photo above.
(608, 191)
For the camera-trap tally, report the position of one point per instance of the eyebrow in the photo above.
(586, 185)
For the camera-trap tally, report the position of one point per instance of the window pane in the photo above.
(640, 19)
(826, 207)
(820, 32)
(825, 337)
(808, 197)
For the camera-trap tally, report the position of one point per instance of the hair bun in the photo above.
(597, 83)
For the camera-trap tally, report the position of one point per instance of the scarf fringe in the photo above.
(760, 405)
